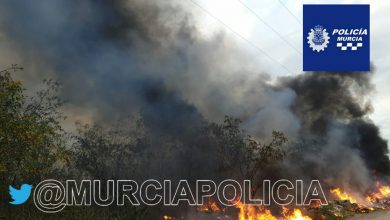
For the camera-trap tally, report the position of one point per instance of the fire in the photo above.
(297, 215)
(342, 195)
(209, 206)
(383, 192)
(371, 201)
(249, 212)
(353, 203)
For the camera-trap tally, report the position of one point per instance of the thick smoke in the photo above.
(108, 54)
(117, 57)
(340, 144)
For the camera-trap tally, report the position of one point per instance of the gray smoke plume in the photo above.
(108, 54)
(340, 144)
(117, 57)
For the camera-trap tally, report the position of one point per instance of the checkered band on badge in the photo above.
(351, 46)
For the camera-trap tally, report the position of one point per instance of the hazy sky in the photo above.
(273, 13)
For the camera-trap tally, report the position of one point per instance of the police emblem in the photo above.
(318, 38)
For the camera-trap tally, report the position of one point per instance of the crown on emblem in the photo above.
(318, 28)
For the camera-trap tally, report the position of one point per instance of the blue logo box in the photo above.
(336, 38)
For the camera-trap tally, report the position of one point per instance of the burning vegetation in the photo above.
(380, 194)
(259, 213)
(341, 206)
(376, 198)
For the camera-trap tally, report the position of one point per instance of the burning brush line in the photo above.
(255, 213)
(378, 197)
(252, 212)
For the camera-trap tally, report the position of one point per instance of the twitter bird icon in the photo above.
(21, 195)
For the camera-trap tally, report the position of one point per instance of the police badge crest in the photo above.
(337, 43)
(318, 38)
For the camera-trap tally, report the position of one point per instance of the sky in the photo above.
(285, 17)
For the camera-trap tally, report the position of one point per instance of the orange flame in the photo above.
(249, 212)
(297, 215)
(167, 217)
(383, 192)
(342, 195)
